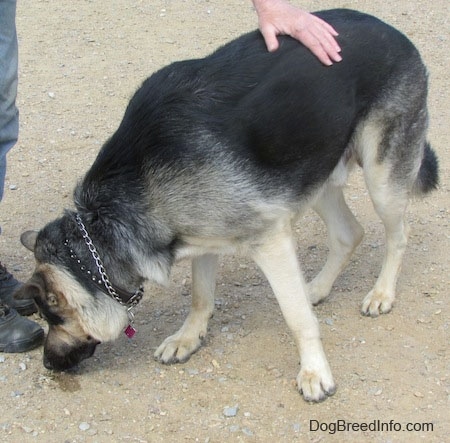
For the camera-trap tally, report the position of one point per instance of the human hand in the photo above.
(278, 17)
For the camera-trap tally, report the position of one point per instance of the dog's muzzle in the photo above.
(64, 358)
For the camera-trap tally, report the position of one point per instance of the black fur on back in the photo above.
(238, 93)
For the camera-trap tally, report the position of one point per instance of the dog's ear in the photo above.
(34, 288)
(28, 239)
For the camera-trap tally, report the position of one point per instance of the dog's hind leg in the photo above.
(180, 346)
(396, 162)
(391, 151)
(277, 258)
(390, 203)
(344, 235)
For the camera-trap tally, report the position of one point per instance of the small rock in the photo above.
(23, 366)
(13, 187)
(230, 411)
(83, 426)
(418, 394)
(247, 432)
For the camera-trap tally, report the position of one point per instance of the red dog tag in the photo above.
(130, 331)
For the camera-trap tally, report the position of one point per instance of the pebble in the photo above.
(23, 366)
(375, 391)
(13, 187)
(83, 426)
(247, 432)
(230, 411)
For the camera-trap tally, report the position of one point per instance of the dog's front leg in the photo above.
(180, 346)
(277, 259)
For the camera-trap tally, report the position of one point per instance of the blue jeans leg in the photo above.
(9, 115)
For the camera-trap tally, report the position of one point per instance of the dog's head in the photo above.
(78, 318)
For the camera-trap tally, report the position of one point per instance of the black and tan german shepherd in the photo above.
(220, 155)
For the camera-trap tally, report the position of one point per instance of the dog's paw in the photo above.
(376, 303)
(314, 385)
(317, 291)
(177, 348)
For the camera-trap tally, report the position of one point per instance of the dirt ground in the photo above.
(80, 61)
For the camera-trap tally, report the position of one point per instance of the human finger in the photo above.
(270, 38)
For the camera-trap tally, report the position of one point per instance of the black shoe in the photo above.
(8, 286)
(18, 334)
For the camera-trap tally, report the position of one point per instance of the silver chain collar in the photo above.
(134, 299)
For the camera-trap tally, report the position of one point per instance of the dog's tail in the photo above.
(428, 176)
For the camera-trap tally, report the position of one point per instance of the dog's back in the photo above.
(267, 112)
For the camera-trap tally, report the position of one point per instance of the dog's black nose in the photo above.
(47, 362)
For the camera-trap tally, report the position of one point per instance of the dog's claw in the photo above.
(314, 387)
(176, 349)
(376, 303)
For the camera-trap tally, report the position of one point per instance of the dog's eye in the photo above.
(52, 300)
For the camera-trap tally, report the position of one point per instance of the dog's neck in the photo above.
(99, 278)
